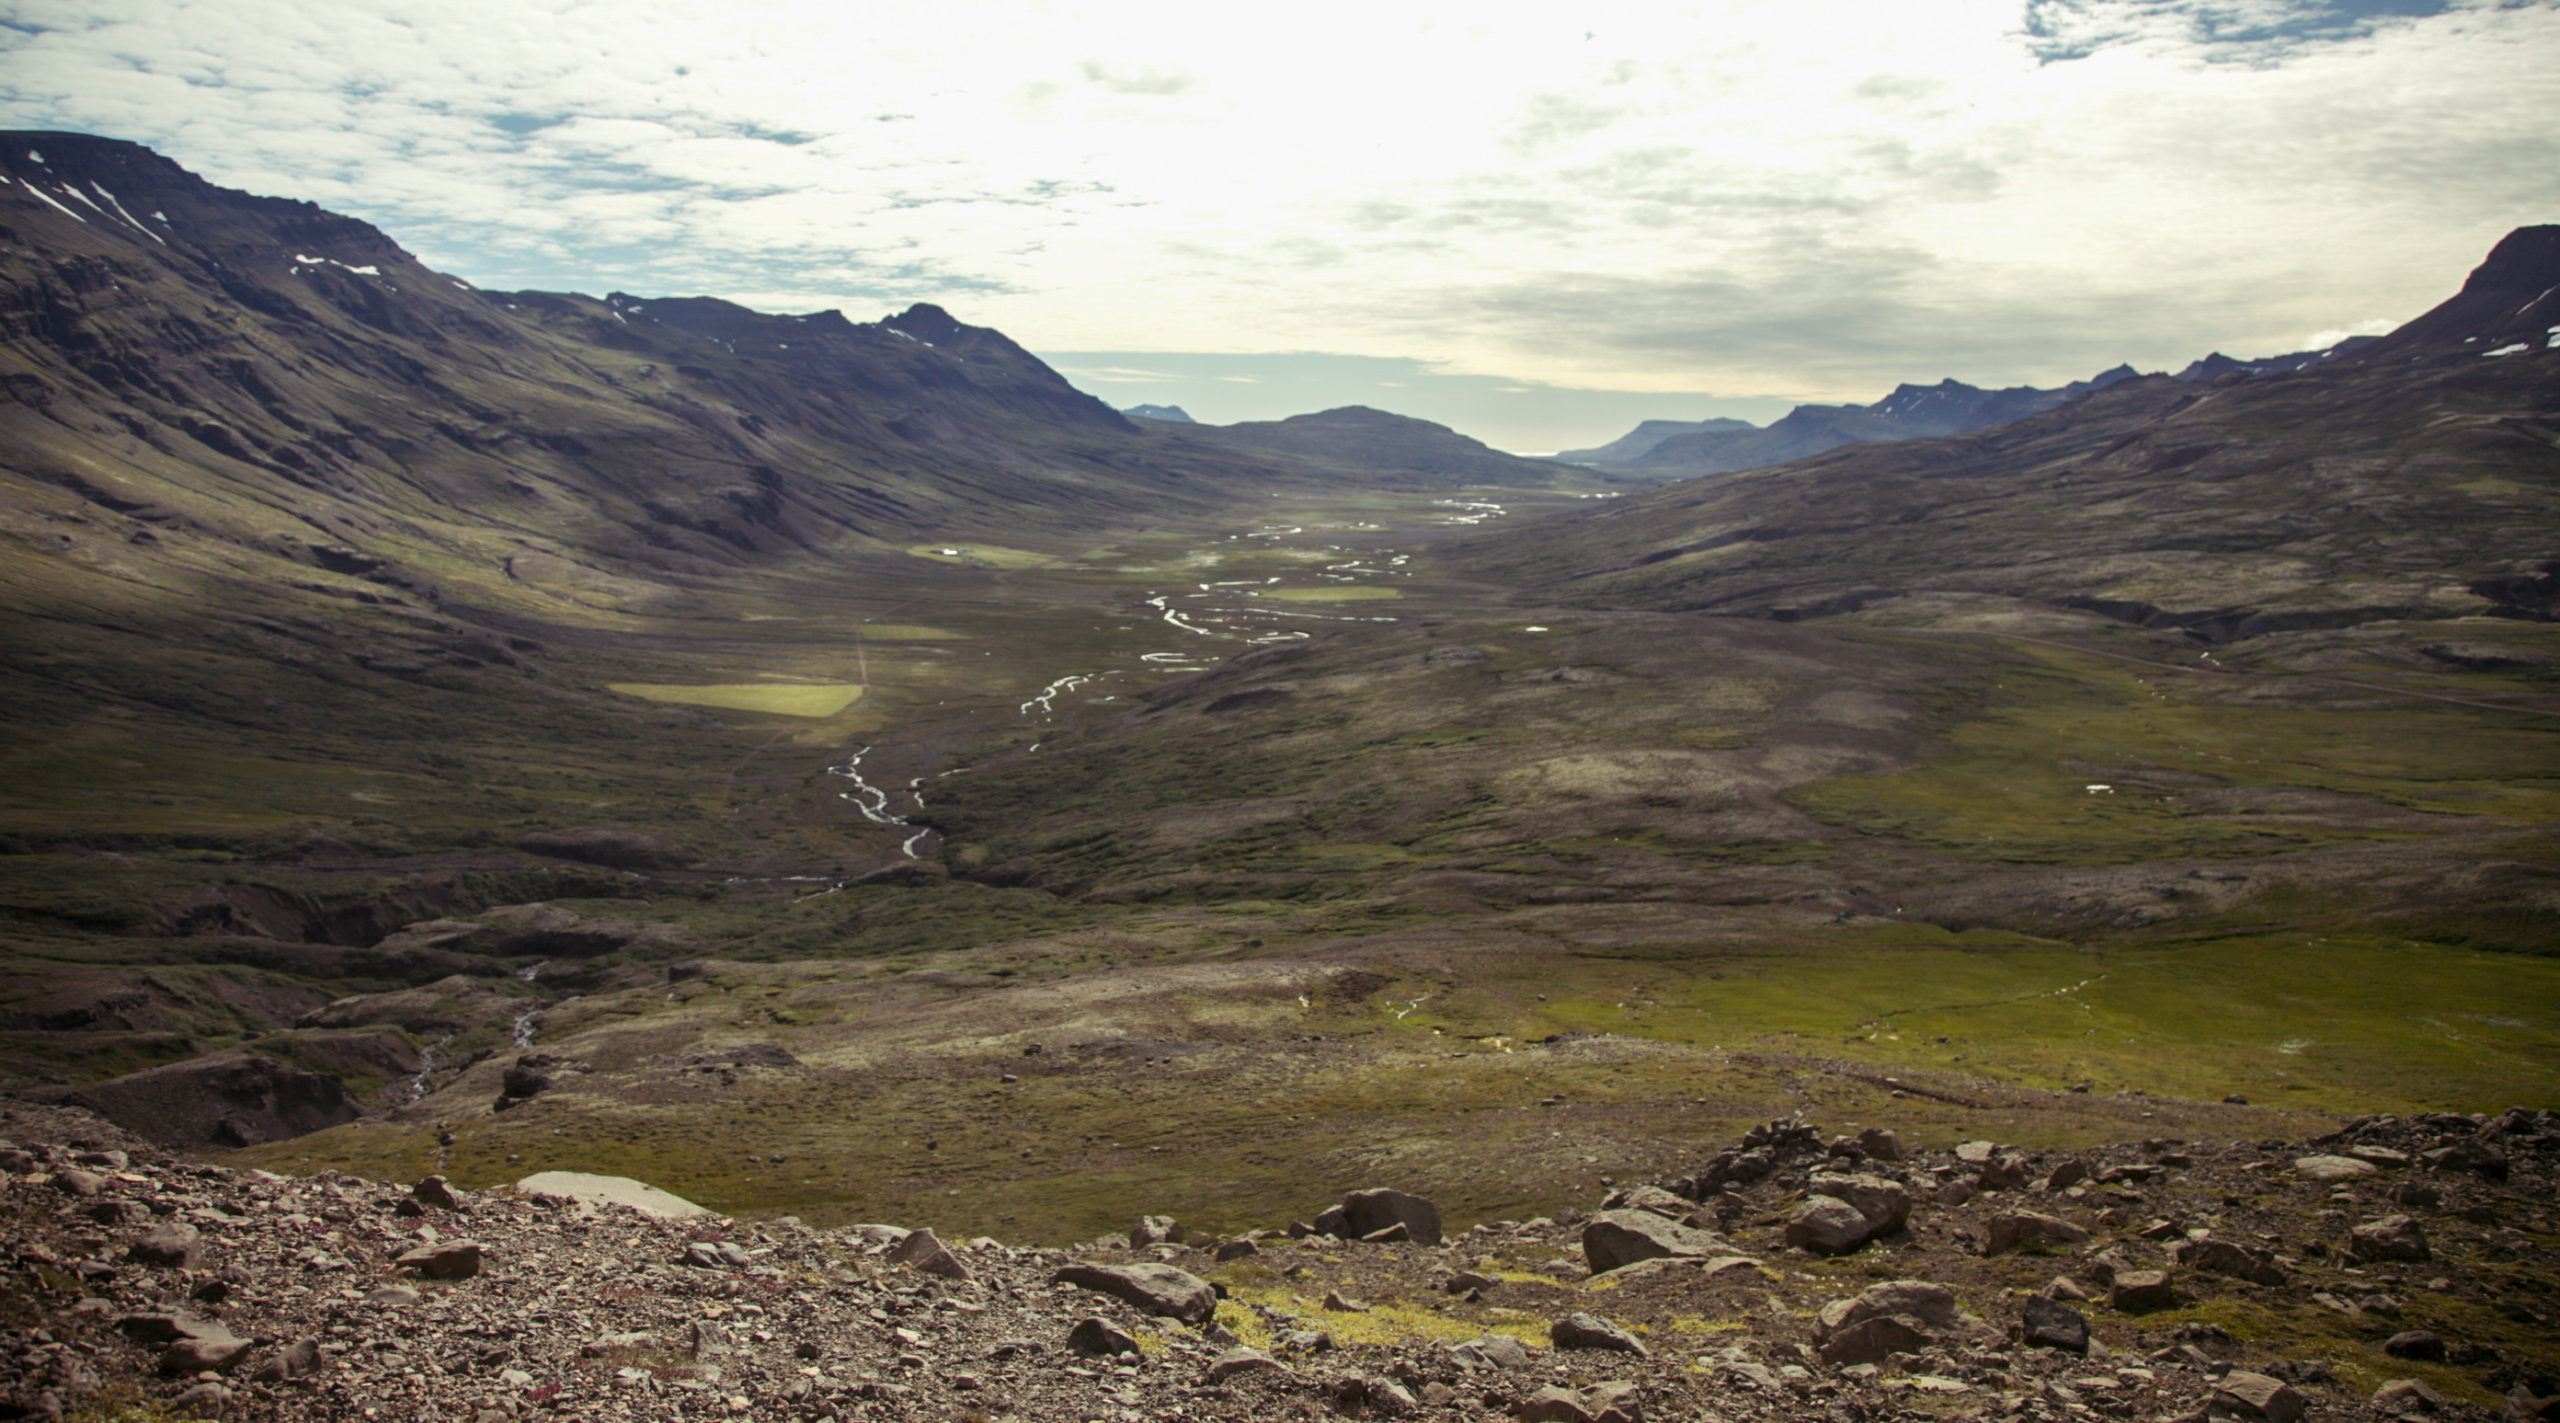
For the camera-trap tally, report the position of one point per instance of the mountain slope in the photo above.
(2414, 477)
(1636, 442)
(1355, 437)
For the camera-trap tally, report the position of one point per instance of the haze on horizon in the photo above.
(1538, 228)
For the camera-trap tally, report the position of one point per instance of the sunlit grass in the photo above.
(819, 700)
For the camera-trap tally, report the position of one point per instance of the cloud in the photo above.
(1754, 198)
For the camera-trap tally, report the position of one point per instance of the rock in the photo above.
(1601, 1403)
(2477, 1157)
(1469, 1282)
(2421, 1195)
(2394, 1237)
(392, 1297)
(84, 1184)
(1826, 1225)
(220, 1352)
(445, 1260)
(1881, 1144)
(1613, 1239)
(2258, 1396)
(1095, 1338)
(2051, 1324)
(2334, 1168)
(2005, 1172)
(925, 1253)
(1872, 1341)
(170, 1245)
(1237, 1250)
(1239, 1361)
(294, 1360)
(1366, 1212)
(2408, 1396)
(165, 1328)
(1491, 1351)
(1931, 1305)
(2141, 1291)
(1976, 1153)
(1155, 1230)
(1341, 1303)
(1883, 1202)
(2028, 1230)
(435, 1191)
(1156, 1289)
(2067, 1175)
(1371, 1393)
(1387, 1235)
(1648, 1198)
(205, 1400)
(609, 1191)
(2415, 1344)
(2235, 1261)
(1590, 1331)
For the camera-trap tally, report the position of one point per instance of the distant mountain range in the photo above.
(2407, 477)
(1682, 449)
(1170, 414)
(1357, 438)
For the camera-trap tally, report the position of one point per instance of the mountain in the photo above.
(2413, 477)
(1640, 440)
(2217, 365)
(1910, 412)
(1358, 438)
(1171, 414)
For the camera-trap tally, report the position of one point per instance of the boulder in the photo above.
(1155, 1230)
(1601, 1403)
(1238, 1361)
(1094, 1337)
(1648, 1198)
(609, 1190)
(1933, 1306)
(1613, 1239)
(2394, 1237)
(1872, 1341)
(170, 1245)
(2028, 1230)
(1364, 1213)
(1880, 1144)
(1155, 1289)
(1826, 1225)
(2415, 1344)
(437, 1192)
(2258, 1396)
(2051, 1324)
(1590, 1331)
(294, 1360)
(2334, 1168)
(2141, 1291)
(1883, 1202)
(2232, 1260)
(82, 1184)
(925, 1253)
(2408, 1396)
(444, 1260)
(1491, 1351)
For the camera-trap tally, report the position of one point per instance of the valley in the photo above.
(839, 771)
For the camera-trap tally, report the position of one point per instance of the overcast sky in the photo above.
(1536, 224)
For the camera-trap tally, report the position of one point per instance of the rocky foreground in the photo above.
(2399, 1267)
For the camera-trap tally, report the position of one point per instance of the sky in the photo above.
(1537, 225)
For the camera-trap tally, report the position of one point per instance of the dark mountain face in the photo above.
(1912, 411)
(1407, 450)
(1627, 448)
(2414, 477)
